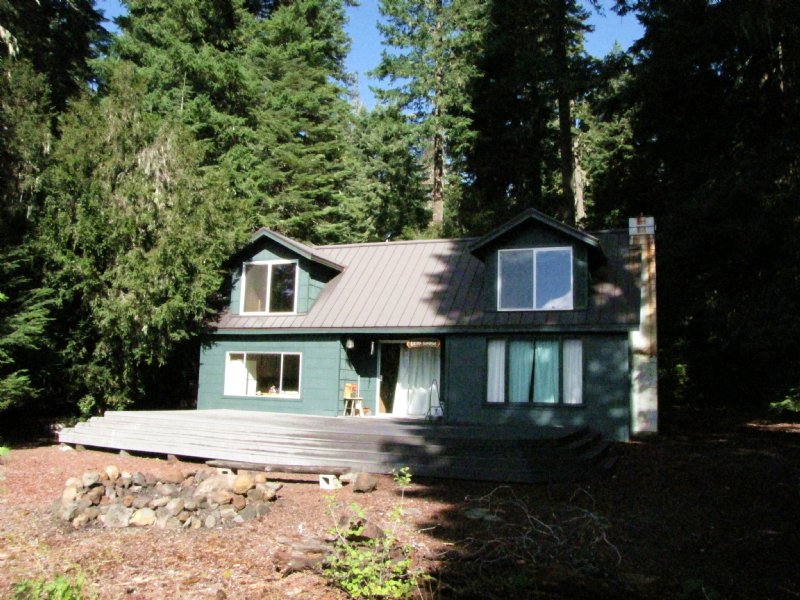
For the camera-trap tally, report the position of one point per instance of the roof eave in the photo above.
(478, 246)
(429, 330)
(296, 247)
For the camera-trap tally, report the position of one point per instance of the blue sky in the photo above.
(366, 42)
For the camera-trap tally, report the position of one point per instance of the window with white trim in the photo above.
(534, 371)
(535, 279)
(269, 287)
(263, 374)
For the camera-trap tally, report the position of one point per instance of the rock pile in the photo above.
(173, 500)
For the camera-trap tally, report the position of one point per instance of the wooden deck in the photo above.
(432, 449)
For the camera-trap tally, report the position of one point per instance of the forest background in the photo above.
(134, 164)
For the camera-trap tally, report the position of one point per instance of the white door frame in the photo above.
(380, 378)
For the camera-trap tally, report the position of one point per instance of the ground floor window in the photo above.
(537, 371)
(262, 374)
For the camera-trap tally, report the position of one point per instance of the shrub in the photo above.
(790, 403)
(375, 568)
(60, 588)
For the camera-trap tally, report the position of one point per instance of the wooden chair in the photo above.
(353, 403)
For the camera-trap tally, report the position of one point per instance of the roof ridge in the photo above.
(397, 243)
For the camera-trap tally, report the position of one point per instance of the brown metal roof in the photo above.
(437, 285)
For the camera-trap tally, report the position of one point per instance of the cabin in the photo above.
(536, 324)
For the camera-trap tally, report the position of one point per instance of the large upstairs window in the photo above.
(535, 279)
(269, 287)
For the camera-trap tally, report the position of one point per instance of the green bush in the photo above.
(60, 588)
(376, 568)
(790, 403)
(373, 569)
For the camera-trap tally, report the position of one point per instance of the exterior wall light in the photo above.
(349, 344)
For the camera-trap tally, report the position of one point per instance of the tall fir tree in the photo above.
(47, 49)
(389, 181)
(531, 73)
(716, 99)
(192, 55)
(263, 85)
(59, 38)
(25, 140)
(429, 64)
(135, 233)
(302, 123)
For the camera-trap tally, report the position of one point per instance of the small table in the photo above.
(354, 406)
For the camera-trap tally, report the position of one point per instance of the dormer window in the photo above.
(535, 279)
(269, 287)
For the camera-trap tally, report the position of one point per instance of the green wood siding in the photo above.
(359, 366)
(539, 236)
(327, 365)
(319, 377)
(606, 387)
(316, 278)
(312, 276)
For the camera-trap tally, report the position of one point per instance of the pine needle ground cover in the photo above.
(676, 519)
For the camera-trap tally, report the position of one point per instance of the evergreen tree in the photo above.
(389, 179)
(49, 46)
(59, 38)
(716, 94)
(25, 139)
(430, 64)
(302, 122)
(192, 55)
(531, 73)
(135, 234)
(24, 316)
(263, 85)
(605, 152)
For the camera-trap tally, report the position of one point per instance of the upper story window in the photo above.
(535, 279)
(269, 287)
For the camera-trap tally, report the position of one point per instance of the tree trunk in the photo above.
(564, 111)
(579, 180)
(437, 179)
(437, 151)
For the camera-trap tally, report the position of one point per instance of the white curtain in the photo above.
(496, 371)
(235, 375)
(520, 370)
(573, 372)
(417, 387)
(545, 374)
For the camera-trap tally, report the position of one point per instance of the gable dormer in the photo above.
(535, 263)
(275, 275)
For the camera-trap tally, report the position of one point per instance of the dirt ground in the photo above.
(703, 515)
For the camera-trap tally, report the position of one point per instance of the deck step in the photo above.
(495, 453)
(360, 441)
